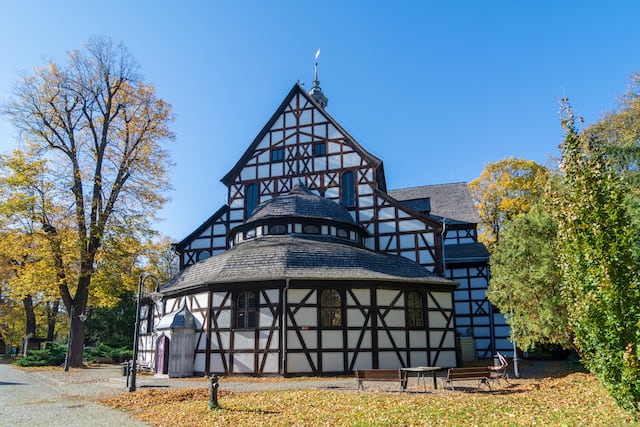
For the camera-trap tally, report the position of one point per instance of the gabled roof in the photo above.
(300, 257)
(297, 89)
(414, 213)
(451, 201)
(300, 202)
(195, 233)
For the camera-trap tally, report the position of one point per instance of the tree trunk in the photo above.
(30, 316)
(76, 346)
(52, 315)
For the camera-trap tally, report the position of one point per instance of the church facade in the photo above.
(315, 267)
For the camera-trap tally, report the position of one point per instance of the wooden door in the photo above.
(162, 355)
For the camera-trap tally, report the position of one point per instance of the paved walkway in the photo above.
(53, 397)
(32, 399)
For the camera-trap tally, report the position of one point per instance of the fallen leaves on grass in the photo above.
(576, 399)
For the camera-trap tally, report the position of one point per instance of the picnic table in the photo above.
(422, 372)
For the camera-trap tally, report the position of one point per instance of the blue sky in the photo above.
(434, 89)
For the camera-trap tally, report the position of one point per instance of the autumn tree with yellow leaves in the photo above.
(101, 132)
(503, 190)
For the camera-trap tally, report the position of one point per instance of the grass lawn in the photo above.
(571, 399)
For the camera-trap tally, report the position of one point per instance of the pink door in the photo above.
(162, 355)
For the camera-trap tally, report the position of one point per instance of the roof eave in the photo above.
(434, 280)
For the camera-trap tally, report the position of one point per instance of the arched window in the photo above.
(415, 314)
(330, 308)
(251, 199)
(348, 197)
(203, 255)
(246, 312)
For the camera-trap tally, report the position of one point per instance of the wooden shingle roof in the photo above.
(300, 257)
(300, 202)
(451, 201)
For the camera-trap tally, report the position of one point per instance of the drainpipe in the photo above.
(444, 262)
(284, 326)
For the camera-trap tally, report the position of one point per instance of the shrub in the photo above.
(52, 355)
(118, 354)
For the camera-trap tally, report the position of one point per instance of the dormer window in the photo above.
(277, 154)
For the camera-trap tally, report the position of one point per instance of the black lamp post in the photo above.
(516, 369)
(131, 383)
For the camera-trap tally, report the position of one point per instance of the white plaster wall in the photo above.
(224, 319)
(419, 358)
(310, 339)
(263, 337)
(216, 362)
(272, 363)
(363, 296)
(298, 363)
(224, 340)
(243, 363)
(354, 336)
(244, 340)
(446, 359)
(295, 296)
(332, 339)
(306, 316)
(332, 362)
(384, 339)
(355, 317)
(437, 320)
(364, 360)
(388, 360)
(418, 339)
(198, 363)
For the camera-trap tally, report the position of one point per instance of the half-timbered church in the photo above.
(315, 267)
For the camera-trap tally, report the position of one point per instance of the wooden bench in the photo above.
(392, 375)
(480, 374)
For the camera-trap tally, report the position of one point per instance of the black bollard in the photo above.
(213, 392)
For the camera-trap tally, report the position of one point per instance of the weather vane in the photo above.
(315, 80)
(315, 91)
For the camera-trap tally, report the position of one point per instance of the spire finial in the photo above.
(315, 76)
(315, 91)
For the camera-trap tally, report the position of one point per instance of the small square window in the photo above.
(277, 154)
(319, 149)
